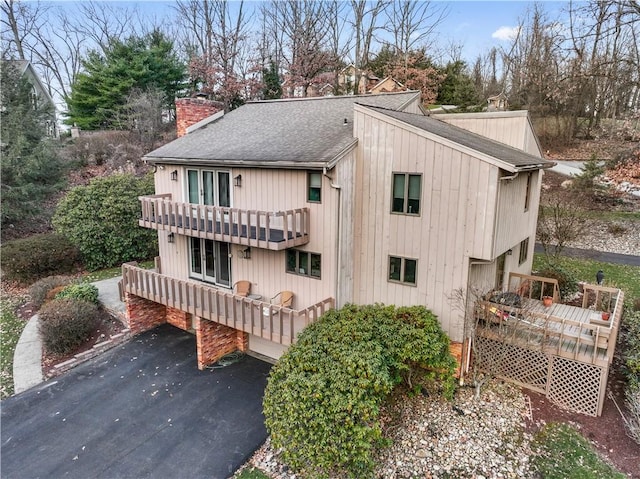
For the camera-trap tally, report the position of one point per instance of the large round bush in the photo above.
(101, 219)
(323, 398)
(29, 259)
(65, 324)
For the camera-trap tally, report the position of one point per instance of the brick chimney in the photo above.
(190, 111)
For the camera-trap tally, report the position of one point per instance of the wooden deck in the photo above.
(562, 351)
(260, 318)
(261, 229)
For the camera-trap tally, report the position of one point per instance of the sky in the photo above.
(478, 25)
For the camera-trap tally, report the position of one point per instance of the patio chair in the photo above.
(283, 299)
(242, 288)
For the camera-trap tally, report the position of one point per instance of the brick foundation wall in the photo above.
(214, 340)
(142, 314)
(179, 319)
(190, 111)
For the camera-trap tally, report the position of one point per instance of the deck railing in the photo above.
(572, 332)
(275, 230)
(260, 318)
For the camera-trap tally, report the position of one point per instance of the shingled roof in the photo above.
(293, 133)
(514, 157)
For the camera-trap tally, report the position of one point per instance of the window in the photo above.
(303, 263)
(524, 250)
(406, 193)
(314, 184)
(527, 193)
(402, 270)
(209, 187)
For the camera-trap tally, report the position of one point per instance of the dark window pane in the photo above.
(410, 271)
(224, 268)
(394, 268)
(291, 261)
(194, 187)
(207, 187)
(315, 265)
(196, 259)
(315, 187)
(209, 255)
(304, 262)
(414, 194)
(224, 196)
(397, 205)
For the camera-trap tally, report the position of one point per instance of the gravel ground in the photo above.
(614, 237)
(433, 438)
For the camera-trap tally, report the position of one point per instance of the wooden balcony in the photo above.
(274, 230)
(561, 350)
(260, 318)
(573, 332)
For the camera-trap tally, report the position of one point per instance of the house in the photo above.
(498, 102)
(386, 85)
(40, 93)
(274, 212)
(347, 78)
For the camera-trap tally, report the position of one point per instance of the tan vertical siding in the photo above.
(514, 224)
(267, 190)
(344, 177)
(512, 128)
(456, 220)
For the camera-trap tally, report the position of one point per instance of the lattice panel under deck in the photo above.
(527, 367)
(576, 385)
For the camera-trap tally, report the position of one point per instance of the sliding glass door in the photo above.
(209, 187)
(210, 261)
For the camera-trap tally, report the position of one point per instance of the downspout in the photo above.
(338, 188)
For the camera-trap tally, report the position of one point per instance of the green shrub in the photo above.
(631, 355)
(567, 282)
(39, 290)
(81, 292)
(101, 219)
(32, 258)
(323, 398)
(66, 323)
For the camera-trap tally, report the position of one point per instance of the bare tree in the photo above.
(364, 21)
(216, 38)
(559, 223)
(413, 24)
(18, 19)
(305, 38)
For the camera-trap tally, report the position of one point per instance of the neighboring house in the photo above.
(347, 78)
(348, 199)
(387, 85)
(498, 102)
(40, 93)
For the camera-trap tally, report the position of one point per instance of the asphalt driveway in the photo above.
(141, 410)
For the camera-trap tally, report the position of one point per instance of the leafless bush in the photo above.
(559, 223)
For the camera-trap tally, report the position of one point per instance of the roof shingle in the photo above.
(310, 131)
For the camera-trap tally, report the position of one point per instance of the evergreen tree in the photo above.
(100, 93)
(272, 89)
(458, 87)
(31, 168)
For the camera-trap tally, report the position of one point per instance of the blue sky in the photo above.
(474, 24)
(481, 25)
